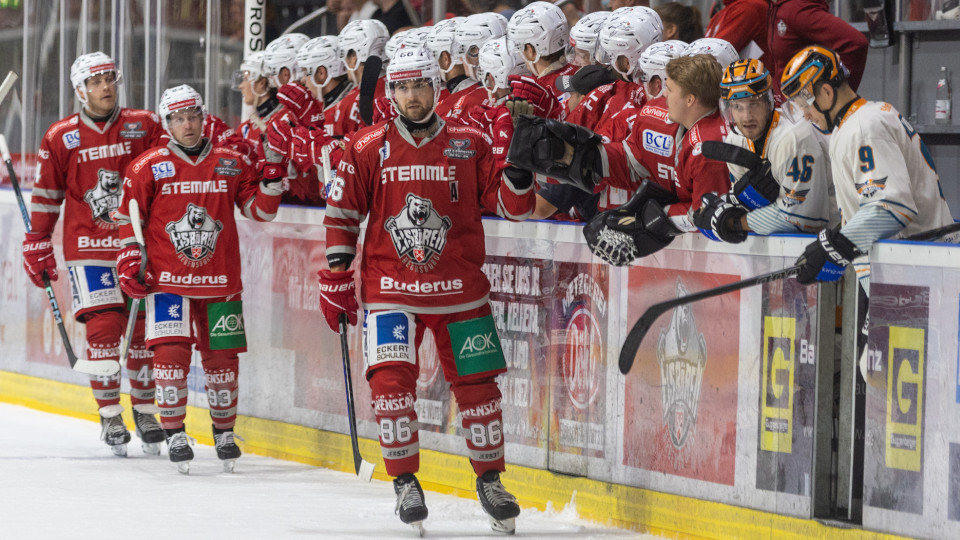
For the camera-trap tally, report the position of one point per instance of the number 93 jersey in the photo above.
(878, 159)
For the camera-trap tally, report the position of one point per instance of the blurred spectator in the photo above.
(396, 15)
(504, 7)
(741, 22)
(572, 9)
(617, 4)
(680, 22)
(795, 24)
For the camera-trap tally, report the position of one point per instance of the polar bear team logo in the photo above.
(418, 233)
(194, 236)
(104, 199)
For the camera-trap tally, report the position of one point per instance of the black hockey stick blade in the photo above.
(640, 328)
(730, 153)
(368, 87)
(362, 467)
(934, 234)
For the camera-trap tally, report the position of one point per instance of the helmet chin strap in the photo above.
(826, 113)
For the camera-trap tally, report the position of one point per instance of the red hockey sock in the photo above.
(393, 395)
(482, 422)
(171, 364)
(221, 372)
(103, 343)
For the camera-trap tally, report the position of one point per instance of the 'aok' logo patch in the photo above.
(194, 236)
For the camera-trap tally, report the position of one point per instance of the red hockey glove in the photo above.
(38, 258)
(299, 101)
(307, 148)
(280, 136)
(501, 125)
(477, 117)
(526, 88)
(338, 294)
(383, 110)
(273, 175)
(128, 268)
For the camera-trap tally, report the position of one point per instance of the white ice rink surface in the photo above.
(57, 480)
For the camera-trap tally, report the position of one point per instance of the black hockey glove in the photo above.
(826, 257)
(560, 150)
(518, 178)
(757, 187)
(658, 224)
(719, 220)
(616, 248)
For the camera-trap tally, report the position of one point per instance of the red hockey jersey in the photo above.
(695, 175)
(187, 206)
(457, 106)
(649, 152)
(346, 115)
(81, 163)
(424, 244)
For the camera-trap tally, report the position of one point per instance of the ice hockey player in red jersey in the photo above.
(466, 92)
(186, 193)
(325, 75)
(81, 160)
(421, 184)
(541, 33)
(357, 42)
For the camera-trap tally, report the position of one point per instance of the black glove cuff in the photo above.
(520, 178)
(840, 248)
(337, 259)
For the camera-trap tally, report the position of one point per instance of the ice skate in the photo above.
(148, 429)
(112, 431)
(181, 454)
(497, 502)
(227, 449)
(410, 504)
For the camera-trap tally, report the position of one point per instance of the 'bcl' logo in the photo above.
(905, 352)
(581, 358)
(776, 405)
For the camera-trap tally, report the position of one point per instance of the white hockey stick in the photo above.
(7, 85)
(326, 170)
(134, 212)
(100, 368)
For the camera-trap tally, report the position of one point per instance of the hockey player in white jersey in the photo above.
(789, 189)
(885, 179)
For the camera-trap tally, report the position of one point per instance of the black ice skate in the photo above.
(148, 429)
(410, 504)
(227, 449)
(112, 430)
(178, 446)
(497, 502)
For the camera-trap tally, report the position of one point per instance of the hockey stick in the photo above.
(7, 84)
(326, 170)
(368, 87)
(134, 211)
(363, 468)
(729, 153)
(99, 368)
(640, 328)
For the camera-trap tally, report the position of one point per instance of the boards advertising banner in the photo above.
(787, 387)
(578, 329)
(896, 395)
(680, 399)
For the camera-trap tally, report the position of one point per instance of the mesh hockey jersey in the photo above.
(424, 243)
(187, 205)
(80, 165)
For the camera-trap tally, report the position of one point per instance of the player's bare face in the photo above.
(186, 126)
(414, 99)
(101, 90)
(751, 115)
(676, 101)
(354, 68)
(247, 88)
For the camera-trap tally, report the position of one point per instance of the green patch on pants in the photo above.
(225, 321)
(476, 346)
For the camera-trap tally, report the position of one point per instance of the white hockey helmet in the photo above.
(628, 36)
(179, 98)
(366, 38)
(654, 60)
(542, 25)
(288, 41)
(416, 37)
(413, 64)
(471, 34)
(88, 65)
(321, 51)
(251, 68)
(393, 45)
(277, 59)
(645, 11)
(441, 39)
(499, 59)
(720, 49)
(584, 37)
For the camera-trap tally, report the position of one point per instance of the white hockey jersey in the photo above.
(799, 161)
(877, 158)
